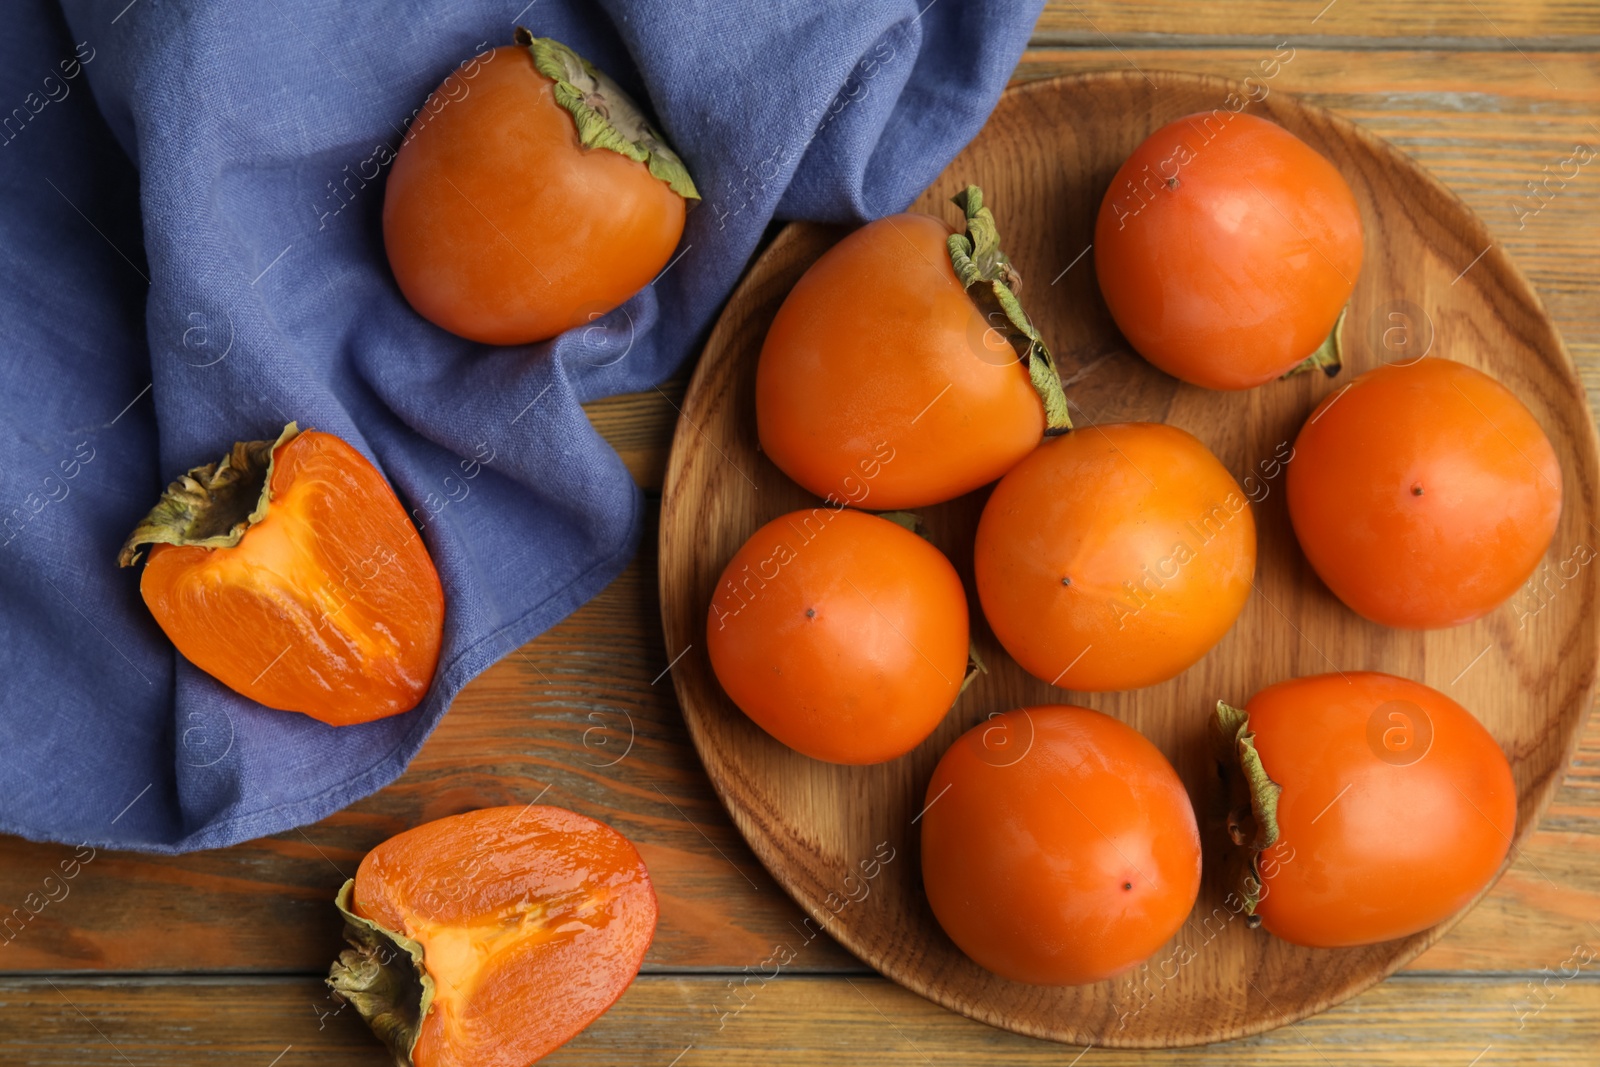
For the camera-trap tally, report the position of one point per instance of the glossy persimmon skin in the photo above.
(1424, 494)
(1226, 249)
(841, 634)
(1058, 846)
(501, 228)
(329, 606)
(1114, 557)
(879, 352)
(533, 920)
(1375, 843)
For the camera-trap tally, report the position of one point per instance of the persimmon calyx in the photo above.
(605, 115)
(1253, 811)
(975, 667)
(382, 976)
(906, 520)
(1329, 356)
(212, 505)
(990, 279)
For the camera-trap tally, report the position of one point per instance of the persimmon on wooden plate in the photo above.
(1527, 669)
(489, 938)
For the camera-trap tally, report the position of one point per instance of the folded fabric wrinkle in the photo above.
(192, 256)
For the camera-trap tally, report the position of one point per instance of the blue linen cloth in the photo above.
(191, 255)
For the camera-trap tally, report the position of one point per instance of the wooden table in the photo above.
(217, 957)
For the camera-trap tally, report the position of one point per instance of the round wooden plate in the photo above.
(843, 840)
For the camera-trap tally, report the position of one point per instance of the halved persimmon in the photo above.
(290, 573)
(488, 939)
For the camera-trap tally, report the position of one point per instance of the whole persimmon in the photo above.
(490, 938)
(1226, 249)
(530, 196)
(1424, 494)
(907, 339)
(1115, 557)
(1375, 806)
(1058, 846)
(290, 573)
(841, 634)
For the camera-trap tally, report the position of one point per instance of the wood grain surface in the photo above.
(1044, 161)
(1506, 23)
(795, 1021)
(1477, 114)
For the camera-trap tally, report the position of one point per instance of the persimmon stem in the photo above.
(990, 279)
(975, 667)
(605, 115)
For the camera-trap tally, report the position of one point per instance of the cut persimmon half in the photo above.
(490, 938)
(289, 572)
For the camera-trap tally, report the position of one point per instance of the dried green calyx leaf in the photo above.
(606, 116)
(1329, 356)
(992, 282)
(975, 667)
(1254, 823)
(907, 520)
(212, 505)
(382, 976)
(1253, 810)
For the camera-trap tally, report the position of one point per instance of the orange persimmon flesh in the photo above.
(329, 605)
(532, 920)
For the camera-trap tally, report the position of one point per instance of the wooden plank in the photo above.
(639, 426)
(804, 1021)
(1438, 22)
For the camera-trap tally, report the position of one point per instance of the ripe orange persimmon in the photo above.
(1226, 249)
(1424, 494)
(1115, 557)
(290, 573)
(841, 634)
(1058, 846)
(488, 939)
(906, 339)
(1376, 806)
(531, 196)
